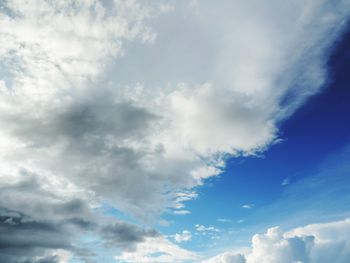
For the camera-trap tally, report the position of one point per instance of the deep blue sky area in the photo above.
(317, 130)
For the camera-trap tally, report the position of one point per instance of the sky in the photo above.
(174, 131)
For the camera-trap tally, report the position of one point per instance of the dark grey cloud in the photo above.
(22, 237)
(86, 124)
(17, 259)
(122, 234)
(37, 220)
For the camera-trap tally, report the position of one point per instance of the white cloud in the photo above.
(316, 243)
(226, 257)
(157, 250)
(224, 220)
(182, 212)
(47, 52)
(182, 237)
(274, 247)
(248, 206)
(202, 228)
(331, 241)
(111, 101)
(286, 181)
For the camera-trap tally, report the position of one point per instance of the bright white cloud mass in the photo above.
(134, 104)
(321, 243)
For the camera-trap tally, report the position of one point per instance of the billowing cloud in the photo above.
(114, 102)
(331, 241)
(316, 243)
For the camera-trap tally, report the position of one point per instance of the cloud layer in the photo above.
(115, 102)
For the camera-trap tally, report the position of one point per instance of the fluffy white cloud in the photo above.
(316, 243)
(274, 247)
(182, 237)
(331, 241)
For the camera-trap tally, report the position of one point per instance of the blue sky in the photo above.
(184, 131)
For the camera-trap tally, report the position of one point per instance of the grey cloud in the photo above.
(86, 122)
(39, 221)
(17, 259)
(31, 194)
(23, 239)
(88, 142)
(101, 117)
(21, 236)
(123, 234)
(49, 259)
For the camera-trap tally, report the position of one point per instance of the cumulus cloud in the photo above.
(111, 102)
(316, 243)
(331, 241)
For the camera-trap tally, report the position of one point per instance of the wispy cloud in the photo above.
(248, 206)
(224, 220)
(157, 250)
(286, 181)
(181, 212)
(202, 228)
(183, 237)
